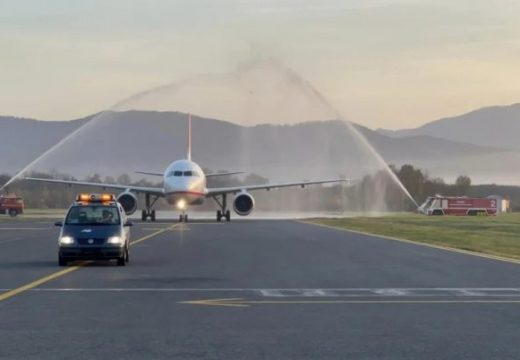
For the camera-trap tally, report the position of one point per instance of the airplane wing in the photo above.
(148, 173)
(223, 174)
(236, 189)
(137, 189)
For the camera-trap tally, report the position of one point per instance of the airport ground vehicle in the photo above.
(11, 205)
(95, 228)
(466, 206)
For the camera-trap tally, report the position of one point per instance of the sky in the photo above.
(391, 64)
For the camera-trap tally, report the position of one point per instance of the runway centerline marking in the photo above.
(11, 293)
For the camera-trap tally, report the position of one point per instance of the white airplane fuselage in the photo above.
(184, 184)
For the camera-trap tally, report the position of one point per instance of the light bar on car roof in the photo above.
(95, 197)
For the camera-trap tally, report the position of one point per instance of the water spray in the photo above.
(60, 143)
(355, 131)
(296, 96)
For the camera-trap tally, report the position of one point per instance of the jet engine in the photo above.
(243, 204)
(128, 201)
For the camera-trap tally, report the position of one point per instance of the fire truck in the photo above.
(11, 205)
(462, 206)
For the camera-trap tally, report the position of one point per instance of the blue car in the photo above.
(95, 228)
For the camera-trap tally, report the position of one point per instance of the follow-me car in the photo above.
(95, 228)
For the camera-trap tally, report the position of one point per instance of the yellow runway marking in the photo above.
(153, 234)
(440, 247)
(45, 279)
(239, 302)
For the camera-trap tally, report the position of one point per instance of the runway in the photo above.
(253, 289)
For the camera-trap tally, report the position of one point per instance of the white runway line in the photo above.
(24, 228)
(316, 293)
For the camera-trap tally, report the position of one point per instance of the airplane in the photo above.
(184, 185)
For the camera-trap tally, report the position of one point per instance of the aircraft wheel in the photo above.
(186, 218)
(228, 216)
(152, 215)
(219, 215)
(144, 215)
(181, 218)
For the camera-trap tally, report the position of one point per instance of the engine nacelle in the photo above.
(128, 201)
(243, 204)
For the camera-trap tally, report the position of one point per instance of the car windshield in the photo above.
(93, 215)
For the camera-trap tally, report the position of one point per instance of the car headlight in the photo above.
(66, 240)
(115, 240)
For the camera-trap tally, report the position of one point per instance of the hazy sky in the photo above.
(382, 63)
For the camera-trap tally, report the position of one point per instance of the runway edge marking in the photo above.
(45, 279)
(439, 247)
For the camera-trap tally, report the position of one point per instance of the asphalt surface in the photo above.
(291, 291)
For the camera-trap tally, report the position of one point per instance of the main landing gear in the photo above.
(223, 212)
(149, 212)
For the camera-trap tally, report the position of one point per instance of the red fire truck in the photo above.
(11, 205)
(447, 205)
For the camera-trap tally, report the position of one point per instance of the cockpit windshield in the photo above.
(184, 173)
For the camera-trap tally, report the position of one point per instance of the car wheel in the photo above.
(62, 261)
(13, 212)
(121, 261)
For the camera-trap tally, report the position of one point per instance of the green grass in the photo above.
(496, 235)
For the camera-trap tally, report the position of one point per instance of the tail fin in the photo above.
(188, 155)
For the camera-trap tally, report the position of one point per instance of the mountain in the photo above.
(122, 142)
(21, 140)
(496, 126)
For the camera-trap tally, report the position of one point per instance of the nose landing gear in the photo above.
(145, 214)
(183, 217)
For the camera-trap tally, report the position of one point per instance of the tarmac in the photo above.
(253, 289)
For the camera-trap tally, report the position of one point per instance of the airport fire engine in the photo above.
(11, 205)
(466, 206)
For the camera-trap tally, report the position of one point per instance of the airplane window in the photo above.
(188, 173)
